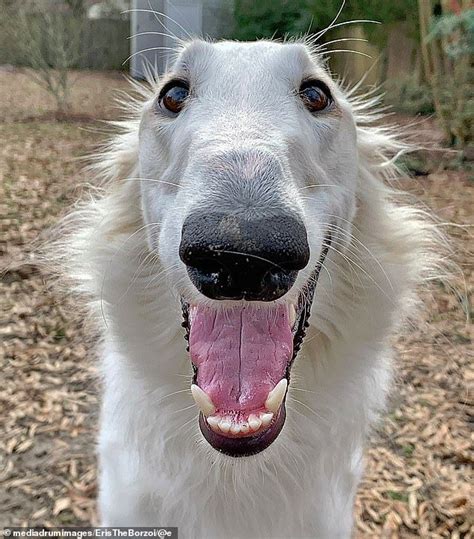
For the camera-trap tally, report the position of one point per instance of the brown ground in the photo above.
(419, 464)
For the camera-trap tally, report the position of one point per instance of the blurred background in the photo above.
(421, 52)
(63, 65)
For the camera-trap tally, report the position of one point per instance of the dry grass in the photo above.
(22, 100)
(419, 464)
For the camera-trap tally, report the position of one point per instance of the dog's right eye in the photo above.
(173, 96)
(315, 95)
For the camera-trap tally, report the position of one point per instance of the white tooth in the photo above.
(203, 401)
(213, 421)
(235, 428)
(254, 422)
(224, 425)
(292, 314)
(244, 428)
(266, 419)
(276, 396)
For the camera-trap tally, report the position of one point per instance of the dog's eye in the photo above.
(315, 95)
(173, 96)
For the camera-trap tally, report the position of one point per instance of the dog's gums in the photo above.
(242, 356)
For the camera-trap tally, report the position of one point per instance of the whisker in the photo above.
(293, 388)
(339, 24)
(138, 34)
(323, 185)
(153, 180)
(351, 238)
(181, 427)
(136, 273)
(249, 256)
(299, 412)
(141, 51)
(109, 265)
(163, 273)
(360, 53)
(342, 39)
(159, 13)
(332, 23)
(184, 409)
(319, 416)
(172, 394)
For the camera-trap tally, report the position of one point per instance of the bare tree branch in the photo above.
(50, 43)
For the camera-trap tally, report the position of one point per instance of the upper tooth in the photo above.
(276, 396)
(292, 314)
(203, 401)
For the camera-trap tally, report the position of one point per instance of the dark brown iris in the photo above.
(315, 96)
(174, 97)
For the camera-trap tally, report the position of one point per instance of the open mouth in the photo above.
(242, 357)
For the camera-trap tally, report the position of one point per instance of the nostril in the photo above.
(277, 282)
(230, 257)
(207, 265)
(215, 282)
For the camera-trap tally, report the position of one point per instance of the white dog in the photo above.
(246, 209)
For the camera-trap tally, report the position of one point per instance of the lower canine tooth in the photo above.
(203, 401)
(254, 422)
(266, 419)
(276, 396)
(224, 425)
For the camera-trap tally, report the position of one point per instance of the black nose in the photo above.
(232, 257)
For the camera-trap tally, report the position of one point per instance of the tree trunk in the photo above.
(433, 65)
(424, 9)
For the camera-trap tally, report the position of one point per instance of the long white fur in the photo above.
(155, 467)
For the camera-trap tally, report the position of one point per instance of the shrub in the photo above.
(447, 46)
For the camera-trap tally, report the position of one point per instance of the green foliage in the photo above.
(276, 18)
(270, 18)
(377, 10)
(459, 31)
(407, 95)
(450, 40)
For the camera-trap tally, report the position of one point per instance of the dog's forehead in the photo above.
(247, 61)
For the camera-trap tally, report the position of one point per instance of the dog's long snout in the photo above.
(236, 257)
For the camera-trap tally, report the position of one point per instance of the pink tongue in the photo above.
(241, 353)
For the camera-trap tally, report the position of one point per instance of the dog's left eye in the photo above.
(315, 95)
(173, 96)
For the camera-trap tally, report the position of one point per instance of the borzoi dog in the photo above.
(247, 210)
